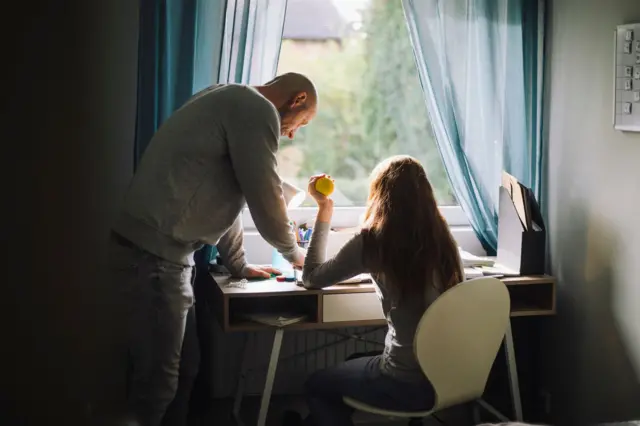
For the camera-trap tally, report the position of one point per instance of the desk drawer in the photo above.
(351, 307)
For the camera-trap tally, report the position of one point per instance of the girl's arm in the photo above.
(319, 272)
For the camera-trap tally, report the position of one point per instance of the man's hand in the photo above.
(258, 271)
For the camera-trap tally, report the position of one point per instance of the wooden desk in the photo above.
(353, 305)
(530, 296)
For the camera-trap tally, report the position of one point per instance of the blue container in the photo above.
(279, 262)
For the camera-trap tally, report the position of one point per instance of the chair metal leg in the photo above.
(475, 413)
(484, 404)
(242, 375)
(435, 416)
(271, 374)
(514, 384)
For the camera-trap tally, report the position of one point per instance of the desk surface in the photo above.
(271, 287)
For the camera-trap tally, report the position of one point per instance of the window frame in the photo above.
(349, 217)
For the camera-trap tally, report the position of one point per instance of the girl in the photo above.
(406, 246)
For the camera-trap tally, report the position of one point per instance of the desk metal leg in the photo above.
(497, 414)
(513, 374)
(242, 375)
(271, 375)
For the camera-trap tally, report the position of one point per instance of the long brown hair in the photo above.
(405, 236)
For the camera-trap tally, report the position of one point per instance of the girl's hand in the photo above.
(321, 199)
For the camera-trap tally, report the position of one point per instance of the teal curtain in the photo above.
(179, 53)
(188, 45)
(480, 68)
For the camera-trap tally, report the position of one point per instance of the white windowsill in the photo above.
(347, 217)
(258, 251)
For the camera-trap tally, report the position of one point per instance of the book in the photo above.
(470, 273)
(276, 320)
(358, 279)
(470, 260)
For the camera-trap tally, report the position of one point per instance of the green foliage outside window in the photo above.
(371, 106)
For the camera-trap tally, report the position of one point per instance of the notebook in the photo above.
(275, 320)
(358, 279)
(469, 260)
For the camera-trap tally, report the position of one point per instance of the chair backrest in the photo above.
(458, 338)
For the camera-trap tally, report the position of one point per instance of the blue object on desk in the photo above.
(279, 262)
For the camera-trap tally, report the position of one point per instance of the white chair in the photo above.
(456, 343)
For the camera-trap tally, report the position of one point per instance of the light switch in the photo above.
(626, 108)
(636, 73)
(627, 47)
(628, 35)
(636, 96)
(628, 71)
(628, 85)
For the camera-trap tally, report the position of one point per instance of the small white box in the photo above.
(636, 73)
(626, 108)
(626, 47)
(628, 35)
(628, 71)
(628, 85)
(636, 96)
(637, 45)
(638, 58)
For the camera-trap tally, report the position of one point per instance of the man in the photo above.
(215, 153)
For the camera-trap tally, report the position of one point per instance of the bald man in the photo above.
(213, 155)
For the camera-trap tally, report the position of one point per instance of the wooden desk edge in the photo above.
(294, 290)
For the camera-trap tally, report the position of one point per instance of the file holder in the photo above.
(520, 249)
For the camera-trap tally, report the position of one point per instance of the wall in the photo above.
(593, 211)
(71, 120)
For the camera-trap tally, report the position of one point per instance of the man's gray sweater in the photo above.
(215, 153)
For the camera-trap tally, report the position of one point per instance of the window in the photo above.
(359, 55)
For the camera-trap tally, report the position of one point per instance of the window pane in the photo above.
(359, 55)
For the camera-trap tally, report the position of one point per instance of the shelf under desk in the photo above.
(348, 305)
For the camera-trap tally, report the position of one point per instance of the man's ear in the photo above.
(298, 100)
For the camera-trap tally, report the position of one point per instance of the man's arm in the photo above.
(231, 248)
(253, 134)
